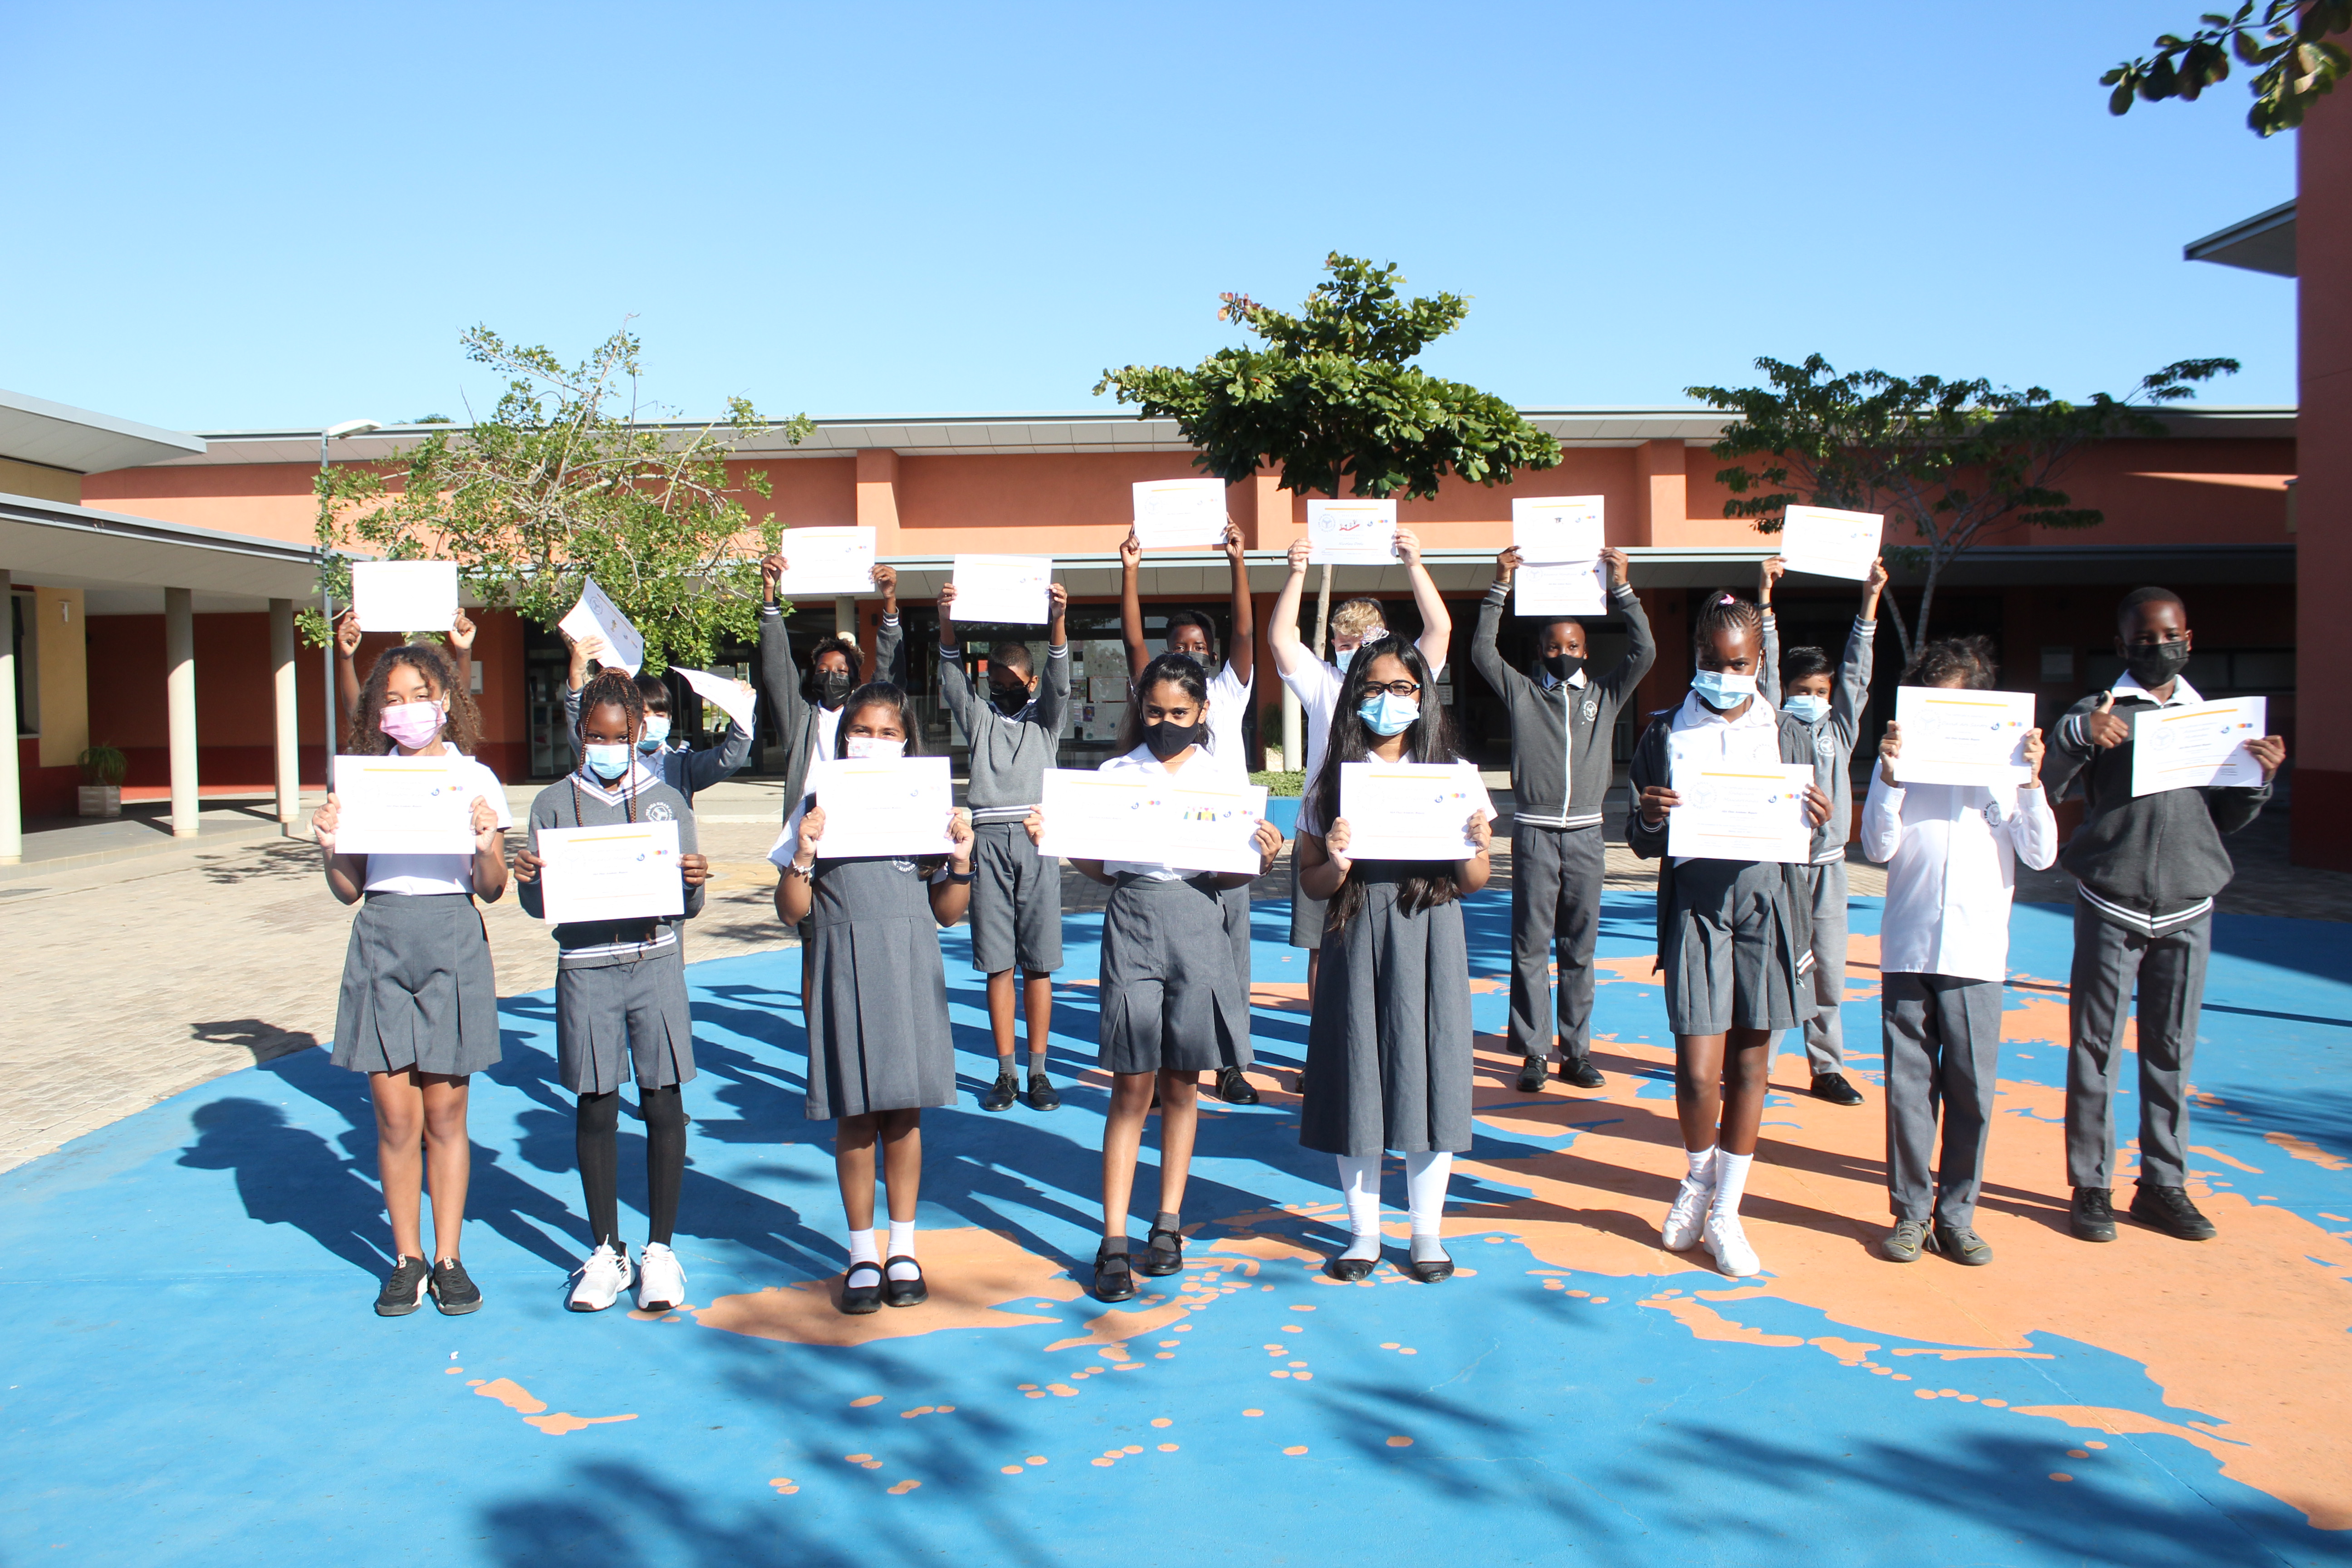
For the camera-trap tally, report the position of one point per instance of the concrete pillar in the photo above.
(845, 617)
(180, 701)
(1294, 732)
(288, 716)
(2320, 752)
(12, 804)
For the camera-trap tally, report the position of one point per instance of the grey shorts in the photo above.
(1016, 902)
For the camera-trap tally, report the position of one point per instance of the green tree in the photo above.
(2289, 42)
(569, 477)
(1944, 460)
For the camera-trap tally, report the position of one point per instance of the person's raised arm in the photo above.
(1291, 654)
(1241, 655)
(1054, 682)
(1437, 640)
(776, 667)
(955, 685)
(890, 641)
(1852, 694)
(461, 638)
(1767, 663)
(708, 765)
(347, 675)
(1484, 659)
(1641, 644)
(1130, 607)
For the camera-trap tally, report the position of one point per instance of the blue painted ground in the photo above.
(192, 1375)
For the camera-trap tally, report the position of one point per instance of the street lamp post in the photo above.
(326, 600)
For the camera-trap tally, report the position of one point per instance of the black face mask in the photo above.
(1560, 666)
(830, 687)
(1166, 739)
(2153, 664)
(1008, 700)
(1200, 660)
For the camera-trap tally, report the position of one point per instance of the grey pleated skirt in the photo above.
(1171, 1000)
(417, 987)
(1731, 955)
(1388, 1048)
(1236, 903)
(877, 1009)
(616, 1021)
(1016, 902)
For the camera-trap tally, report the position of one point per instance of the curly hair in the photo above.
(614, 686)
(1969, 658)
(880, 694)
(461, 724)
(840, 646)
(1356, 617)
(1724, 611)
(1179, 669)
(1429, 740)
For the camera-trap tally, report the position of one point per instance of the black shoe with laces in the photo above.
(2092, 1219)
(1003, 1092)
(454, 1290)
(2167, 1209)
(1233, 1088)
(1581, 1074)
(1532, 1074)
(1043, 1095)
(404, 1288)
(1834, 1088)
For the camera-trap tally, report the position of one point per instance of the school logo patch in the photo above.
(1991, 810)
(1825, 744)
(1591, 708)
(659, 812)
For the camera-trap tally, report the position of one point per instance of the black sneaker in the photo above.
(1532, 1074)
(1003, 1092)
(2092, 1219)
(1043, 1095)
(404, 1288)
(1234, 1088)
(454, 1290)
(2167, 1209)
(1582, 1074)
(1834, 1088)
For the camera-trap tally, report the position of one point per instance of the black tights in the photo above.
(598, 1141)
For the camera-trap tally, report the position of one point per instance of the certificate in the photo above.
(1208, 825)
(1557, 528)
(1179, 514)
(1560, 588)
(1961, 737)
(626, 871)
(1411, 811)
(1004, 590)
(883, 805)
(1352, 533)
(735, 699)
(597, 616)
(1829, 544)
(1735, 810)
(404, 805)
(2202, 744)
(827, 562)
(405, 596)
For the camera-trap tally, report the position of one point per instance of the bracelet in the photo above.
(805, 873)
(959, 876)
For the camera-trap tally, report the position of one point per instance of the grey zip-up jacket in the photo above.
(782, 678)
(685, 769)
(1831, 737)
(581, 800)
(1561, 760)
(1009, 756)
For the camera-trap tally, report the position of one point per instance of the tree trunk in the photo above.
(1323, 615)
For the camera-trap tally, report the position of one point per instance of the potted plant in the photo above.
(102, 770)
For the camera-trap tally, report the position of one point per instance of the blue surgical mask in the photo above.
(1722, 688)
(1348, 656)
(1810, 709)
(608, 761)
(656, 732)
(1389, 714)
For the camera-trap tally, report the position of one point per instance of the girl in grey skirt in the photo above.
(419, 1009)
(1734, 937)
(620, 999)
(1173, 1006)
(880, 1049)
(1388, 1047)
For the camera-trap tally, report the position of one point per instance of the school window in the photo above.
(27, 646)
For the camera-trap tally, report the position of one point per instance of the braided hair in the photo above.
(614, 687)
(1725, 611)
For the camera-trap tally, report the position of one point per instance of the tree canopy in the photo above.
(2290, 42)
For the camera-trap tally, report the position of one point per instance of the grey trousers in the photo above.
(1555, 910)
(2171, 970)
(1824, 1034)
(1943, 1046)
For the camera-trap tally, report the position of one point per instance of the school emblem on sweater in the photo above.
(1991, 810)
(1825, 743)
(1592, 707)
(658, 811)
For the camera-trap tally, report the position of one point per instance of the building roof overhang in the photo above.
(35, 430)
(2263, 243)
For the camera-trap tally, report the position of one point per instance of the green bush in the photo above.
(1279, 784)
(103, 765)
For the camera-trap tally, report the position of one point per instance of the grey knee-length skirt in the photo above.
(1016, 902)
(1236, 903)
(619, 1020)
(1388, 1048)
(877, 998)
(417, 987)
(1731, 957)
(1171, 1000)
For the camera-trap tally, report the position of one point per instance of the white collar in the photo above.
(1553, 683)
(2182, 692)
(638, 777)
(1693, 713)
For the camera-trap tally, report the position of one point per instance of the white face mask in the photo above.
(873, 747)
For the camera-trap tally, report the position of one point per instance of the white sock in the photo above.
(1730, 1181)
(1359, 1184)
(1425, 1175)
(1702, 1164)
(862, 1249)
(902, 1244)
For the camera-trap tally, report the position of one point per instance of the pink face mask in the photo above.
(411, 724)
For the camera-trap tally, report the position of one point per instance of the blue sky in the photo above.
(248, 216)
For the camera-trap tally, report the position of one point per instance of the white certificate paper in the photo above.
(1004, 590)
(883, 805)
(1557, 528)
(1209, 824)
(1352, 533)
(735, 699)
(1179, 514)
(405, 596)
(1411, 811)
(1560, 588)
(1831, 543)
(827, 562)
(622, 872)
(1740, 811)
(1961, 737)
(404, 805)
(596, 616)
(2202, 744)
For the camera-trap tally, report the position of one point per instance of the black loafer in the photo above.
(1532, 1074)
(903, 1292)
(1834, 1088)
(1114, 1276)
(454, 1290)
(1430, 1270)
(1002, 1093)
(1043, 1095)
(1159, 1260)
(404, 1288)
(1347, 1271)
(2167, 1209)
(1234, 1088)
(1582, 1074)
(2092, 1217)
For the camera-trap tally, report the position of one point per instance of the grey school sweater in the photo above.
(579, 800)
(1561, 759)
(1009, 756)
(1831, 736)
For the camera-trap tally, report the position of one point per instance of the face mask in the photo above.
(656, 732)
(2153, 664)
(873, 747)
(1561, 666)
(1008, 700)
(411, 724)
(1809, 708)
(1389, 714)
(831, 687)
(1721, 688)
(1166, 740)
(1348, 656)
(607, 762)
(1199, 661)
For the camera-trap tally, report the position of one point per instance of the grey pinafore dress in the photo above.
(877, 997)
(1388, 1048)
(417, 987)
(1171, 1000)
(1730, 949)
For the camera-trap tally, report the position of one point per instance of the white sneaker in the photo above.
(1683, 1221)
(661, 1283)
(1728, 1243)
(601, 1279)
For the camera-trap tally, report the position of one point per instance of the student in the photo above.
(2146, 870)
(1317, 685)
(1016, 896)
(347, 647)
(1564, 760)
(1732, 937)
(1172, 1006)
(419, 1009)
(1831, 712)
(620, 1000)
(879, 1049)
(1230, 694)
(686, 769)
(1388, 1046)
(1950, 853)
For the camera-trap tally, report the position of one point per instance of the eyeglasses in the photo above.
(1394, 688)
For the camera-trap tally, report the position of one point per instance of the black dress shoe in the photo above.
(859, 1300)
(2167, 1209)
(1347, 1271)
(1114, 1276)
(2092, 1219)
(1532, 1073)
(1582, 1074)
(1233, 1088)
(1834, 1088)
(903, 1292)
(1043, 1095)
(1163, 1254)
(1002, 1093)
(1430, 1270)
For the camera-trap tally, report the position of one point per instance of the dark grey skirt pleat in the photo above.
(619, 1021)
(1388, 1050)
(1731, 953)
(1171, 1000)
(877, 1024)
(417, 991)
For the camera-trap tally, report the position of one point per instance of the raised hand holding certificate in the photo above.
(827, 562)
(1352, 533)
(883, 805)
(2203, 743)
(1205, 826)
(1831, 543)
(597, 616)
(1961, 737)
(1411, 811)
(1179, 514)
(1004, 590)
(622, 872)
(1558, 539)
(405, 596)
(1735, 810)
(404, 805)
